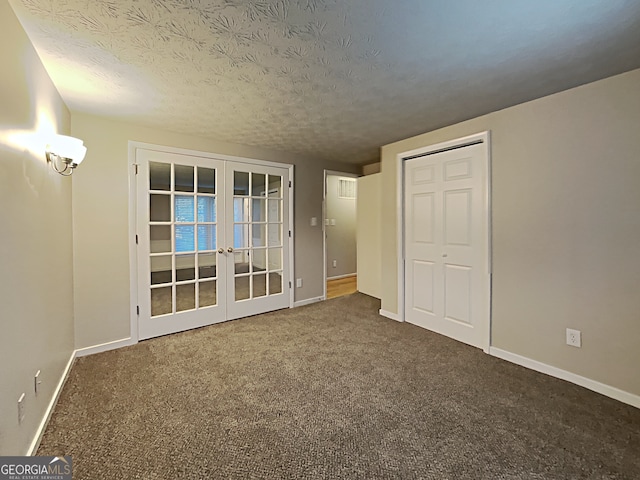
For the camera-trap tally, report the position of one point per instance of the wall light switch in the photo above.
(326, 221)
(333, 221)
(314, 221)
(298, 283)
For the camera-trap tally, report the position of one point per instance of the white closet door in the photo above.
(446, 279)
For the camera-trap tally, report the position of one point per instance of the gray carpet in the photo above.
(331, 391)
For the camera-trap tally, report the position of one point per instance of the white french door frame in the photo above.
(484, 138)
(134, 146)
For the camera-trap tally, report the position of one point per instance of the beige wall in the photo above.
(341, 237)
(369, 233)
(100, 220)
(566, 223)
(36, 285)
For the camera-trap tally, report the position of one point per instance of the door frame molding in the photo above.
(133, 251)
(485, 138)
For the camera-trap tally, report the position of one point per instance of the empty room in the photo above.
(167, 238)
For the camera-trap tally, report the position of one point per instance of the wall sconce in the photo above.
(65, 154)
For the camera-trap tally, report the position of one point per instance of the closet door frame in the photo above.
(133, 147)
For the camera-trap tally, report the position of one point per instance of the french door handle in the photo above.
(230, 249)
(221, 250)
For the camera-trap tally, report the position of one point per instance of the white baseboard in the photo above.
(607, 390)
(307, 301)
(391, 315)
(49, 411)
(338, 277)
(104, 347)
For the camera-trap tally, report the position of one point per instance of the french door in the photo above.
(446, 243)
(212, 241)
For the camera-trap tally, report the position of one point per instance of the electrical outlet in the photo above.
(36, 382)
(574, 338)
(314, 221)
(298, 283)
(334, 263)
(21, 408)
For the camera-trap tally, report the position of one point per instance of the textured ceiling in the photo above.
(332, 79)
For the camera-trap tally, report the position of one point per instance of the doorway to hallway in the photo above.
(339, 223)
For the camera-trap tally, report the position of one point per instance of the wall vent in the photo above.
(347, 188)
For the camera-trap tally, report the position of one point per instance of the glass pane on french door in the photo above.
(182, 244)
(257, 234)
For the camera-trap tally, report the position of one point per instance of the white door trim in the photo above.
(133, 251)
(485, 138)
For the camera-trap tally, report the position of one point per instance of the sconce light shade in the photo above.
(65, 153)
